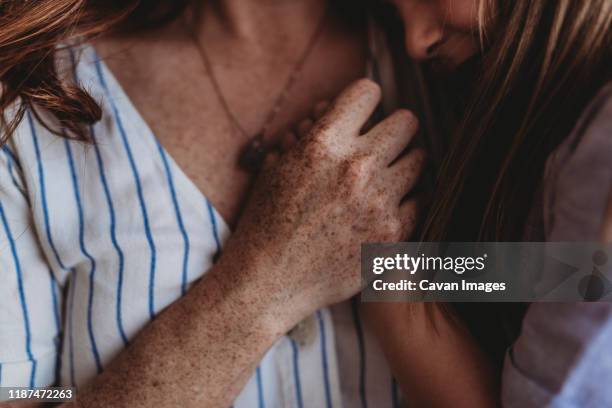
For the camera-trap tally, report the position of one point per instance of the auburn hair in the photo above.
(542, 61)
(31, 35)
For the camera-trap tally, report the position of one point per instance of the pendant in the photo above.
(253, 154)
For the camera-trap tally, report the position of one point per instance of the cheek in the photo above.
(449, 23)
(461, 15)
(465, 46)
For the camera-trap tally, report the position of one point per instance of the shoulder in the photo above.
(593, 131)
(578, 175)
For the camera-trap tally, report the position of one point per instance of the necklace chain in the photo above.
(255, 150)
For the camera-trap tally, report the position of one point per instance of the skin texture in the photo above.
(431, 353)
(334, 164)
(307, 216)
(249, 296)
(329, 194)
(252, 46)
(246, 295)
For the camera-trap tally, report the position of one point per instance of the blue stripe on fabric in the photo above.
(115, 242)
(361, 349)
(324, 359)
(113, 231)
(12, 156)
(72, 288)
(179, 216)
(11, 159)
(41, 179)
(394, 395)
(85, 252)
(296, 373)
(22, 299)
(139, 191)
(260, 391)
(56, 313)
(213, 222)
(43, 193)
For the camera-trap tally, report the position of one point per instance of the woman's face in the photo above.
(444, 31)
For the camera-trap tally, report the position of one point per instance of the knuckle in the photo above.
(355, 169)
(313, 150)
(378, 207)
(320, 144)
(322, 129)
(326, 138)
(318, 136)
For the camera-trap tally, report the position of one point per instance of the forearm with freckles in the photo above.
(199, 352)
(294, 250)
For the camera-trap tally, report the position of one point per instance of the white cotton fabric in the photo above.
(97, 239)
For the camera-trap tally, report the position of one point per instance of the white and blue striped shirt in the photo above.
(95, 240)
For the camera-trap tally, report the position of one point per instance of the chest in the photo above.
(196, 113)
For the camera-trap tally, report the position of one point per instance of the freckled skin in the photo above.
(346, 195)
(163, 74)
(295, 249)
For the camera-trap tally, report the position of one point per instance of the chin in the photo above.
(440, 66)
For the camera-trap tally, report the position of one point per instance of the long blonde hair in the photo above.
(542, 61)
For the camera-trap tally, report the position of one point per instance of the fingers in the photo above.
(391, 136)
(289, 139)
(351, 109)
(404, 174)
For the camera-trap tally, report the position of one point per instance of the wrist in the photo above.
(253, 282)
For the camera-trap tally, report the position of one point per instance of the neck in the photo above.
(257, 20)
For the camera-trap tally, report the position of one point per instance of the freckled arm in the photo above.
(201, 350)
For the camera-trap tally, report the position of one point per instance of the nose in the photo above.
(422, 28)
